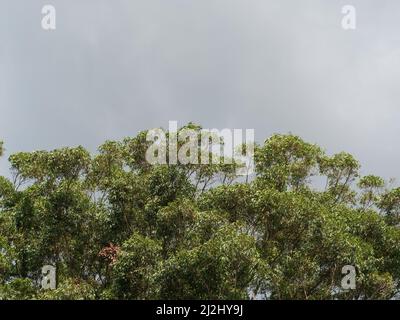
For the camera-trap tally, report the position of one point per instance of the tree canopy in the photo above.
(116, 227)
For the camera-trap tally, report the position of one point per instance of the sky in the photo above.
(113, 68)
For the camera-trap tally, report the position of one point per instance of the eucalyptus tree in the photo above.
(117, 227)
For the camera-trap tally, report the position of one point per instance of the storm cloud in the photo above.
(112, 68)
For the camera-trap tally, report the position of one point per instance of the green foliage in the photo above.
(70, 289)
(116, 227)
(134, 268)
(286, 161)
(17, 289)
(222, 268)
(390, 205)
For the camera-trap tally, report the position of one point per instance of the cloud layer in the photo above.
(113, 68)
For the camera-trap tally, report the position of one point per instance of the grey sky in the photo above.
(113, 68)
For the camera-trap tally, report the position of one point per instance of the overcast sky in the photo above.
(114, 67)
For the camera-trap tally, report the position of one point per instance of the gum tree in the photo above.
(116, 227)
